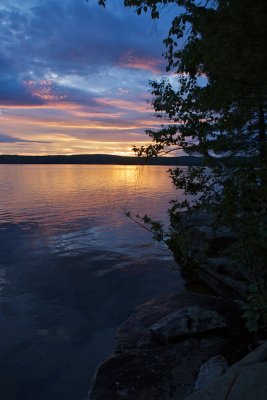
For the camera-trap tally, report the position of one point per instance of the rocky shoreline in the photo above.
(205, 253)
(172, 347)
(189, 345)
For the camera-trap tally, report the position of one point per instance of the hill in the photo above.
(98, 159)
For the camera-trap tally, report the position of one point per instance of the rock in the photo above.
(206, 230)
(207, 248)
(136, 329)
(200, 218)
(156, 374)
(249, 383)
(210, 370)
(146, 341)
(219, 243)
(223, 265)
(258, 355)
(142, 368)
(244, 380)
(225, 285)
(187, 321)
(231, 275)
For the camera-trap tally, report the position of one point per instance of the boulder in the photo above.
(200, 218)
(258, 355)
(210, 370)
(156, 374)
(206, 248)
(223, 284)
(138, 327)
(144, 367)
(219, 243)
(248, 383)
(224, 266)
(186, 321)
(244, 380)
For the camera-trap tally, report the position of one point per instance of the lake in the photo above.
(72, 268)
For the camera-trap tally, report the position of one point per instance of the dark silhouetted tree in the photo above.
(215, 107)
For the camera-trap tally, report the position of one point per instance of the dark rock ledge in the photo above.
(245, 380)
(188, 344)
(162, 347)
(206, 247)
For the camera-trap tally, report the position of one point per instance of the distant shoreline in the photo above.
(104, 159)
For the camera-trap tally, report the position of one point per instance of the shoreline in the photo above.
(100, 159)
(176, 347)
(173, 347)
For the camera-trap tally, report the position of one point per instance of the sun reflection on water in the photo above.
(57, 195)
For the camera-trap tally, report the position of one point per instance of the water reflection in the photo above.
(72, 268)
(54, 195)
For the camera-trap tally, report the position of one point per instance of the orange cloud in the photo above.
(129, 60)
(71, 146)
(125, 104)
(43, 90)
(73, 128)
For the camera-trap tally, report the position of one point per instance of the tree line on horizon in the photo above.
(98, 159)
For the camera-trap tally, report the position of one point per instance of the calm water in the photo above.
(72, 268)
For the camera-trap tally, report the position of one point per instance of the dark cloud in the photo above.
(59, 38)
(10, 139)
(86, 37)
(87, 66)
(74, 37)
(79, 96)
(12, 88)
(14, 92)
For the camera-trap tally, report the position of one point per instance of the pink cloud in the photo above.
(129, 60)
(127, 105)
(43, 89)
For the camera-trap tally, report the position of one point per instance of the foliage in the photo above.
(255, 310)
(156, 227)
(215, 107)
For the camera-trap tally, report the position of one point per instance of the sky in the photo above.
(74, 76)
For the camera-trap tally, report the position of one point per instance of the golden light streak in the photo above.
(71, 147)
(60, 124)
(69, 128)
(126, 104)
(82, 124)
(48, 106)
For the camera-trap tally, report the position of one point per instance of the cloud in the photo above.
(14, 92)
(73, 68)
(130, 60)
(85, 46)
(80, 38)
(9, 139)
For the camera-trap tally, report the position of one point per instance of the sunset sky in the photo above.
(74, 76)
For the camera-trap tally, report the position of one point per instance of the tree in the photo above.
(223, 120)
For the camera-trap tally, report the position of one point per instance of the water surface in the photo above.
(72, 268)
